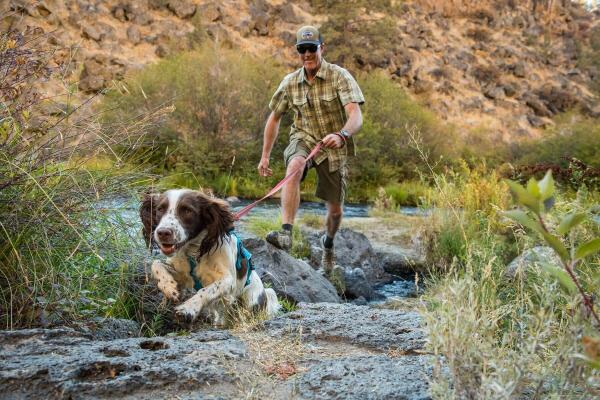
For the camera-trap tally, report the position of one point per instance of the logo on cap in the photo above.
(307, 35)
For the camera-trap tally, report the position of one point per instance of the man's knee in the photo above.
(296, 164)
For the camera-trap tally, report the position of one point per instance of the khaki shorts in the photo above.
(331, 186)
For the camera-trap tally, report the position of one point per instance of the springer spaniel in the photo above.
(194, 231)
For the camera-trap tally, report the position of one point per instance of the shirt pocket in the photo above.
(330, 106)
(302, 111)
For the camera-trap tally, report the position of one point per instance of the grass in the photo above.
(499, 338)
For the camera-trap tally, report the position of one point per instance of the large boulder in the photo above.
(535, 255)
(290, 278)
(352, 250)
(182, 8)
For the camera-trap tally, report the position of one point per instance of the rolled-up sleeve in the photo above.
(348, 90)
(279, 103)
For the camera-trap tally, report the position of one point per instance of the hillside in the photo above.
(494, 67)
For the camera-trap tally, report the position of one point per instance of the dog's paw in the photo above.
(186, 312)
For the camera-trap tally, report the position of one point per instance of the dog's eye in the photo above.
(187, 211)
(161, 209)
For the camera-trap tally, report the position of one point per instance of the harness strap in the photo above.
(243, 257)
(193, 264)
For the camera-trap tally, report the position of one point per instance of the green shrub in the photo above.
(220, 99)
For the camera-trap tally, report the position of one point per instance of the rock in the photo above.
(538, 107)
(352, 250)
(538, 122)
(288, 37)
(422, 86)
(133, 34)
(286, 13)
(519, 69)
(290, 278)
(263, 23)
(182, 8)
(357, 285)
(494, 92)
(210, 12)
(132, 11)
(415, 43)
(535, 255)
(245, 26)
(111, 328)
(358, 378)
(99, 71)
(399, 261)
(510, 89)
(556, 99)
(63, 363)
(163, 50)
(359, 325)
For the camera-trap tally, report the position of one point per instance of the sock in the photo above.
(328, 242)
(287, 227)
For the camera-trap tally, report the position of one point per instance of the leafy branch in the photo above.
(538, 198)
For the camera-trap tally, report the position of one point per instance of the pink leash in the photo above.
(276, 188)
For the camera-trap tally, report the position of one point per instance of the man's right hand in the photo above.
(263, 167)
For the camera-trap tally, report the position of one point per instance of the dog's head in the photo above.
(175, 217)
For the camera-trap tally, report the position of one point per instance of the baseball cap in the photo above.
(308, 35)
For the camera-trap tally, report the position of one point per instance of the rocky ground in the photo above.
(320, 351)
(503, 70)
(326, 349)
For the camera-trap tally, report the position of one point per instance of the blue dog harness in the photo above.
(244, 258)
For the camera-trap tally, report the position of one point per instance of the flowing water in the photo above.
(125, 211)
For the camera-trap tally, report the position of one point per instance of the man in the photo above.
(326, 102)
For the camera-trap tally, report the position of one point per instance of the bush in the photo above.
(385, 148)
(500, 338)
(220, 100)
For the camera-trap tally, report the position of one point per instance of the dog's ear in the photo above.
(218, 219)
(148, 215)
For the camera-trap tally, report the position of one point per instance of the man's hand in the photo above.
(333, 141)
(263, 167)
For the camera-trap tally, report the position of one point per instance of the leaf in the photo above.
(557, 245)
(587, 249)
(570, 221)
(533, 189)
(523, 197)
(524, 219)
(563, 278)
(546, 186)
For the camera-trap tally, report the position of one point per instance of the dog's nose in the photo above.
(164, 234)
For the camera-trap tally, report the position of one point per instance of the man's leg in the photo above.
(334, 219)
(290, 194)
(290, 202)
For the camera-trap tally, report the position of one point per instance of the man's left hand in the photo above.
(333, 141)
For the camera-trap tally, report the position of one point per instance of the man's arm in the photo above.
(352, 125)
(269, 137)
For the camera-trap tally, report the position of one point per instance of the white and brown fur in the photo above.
(189, 223)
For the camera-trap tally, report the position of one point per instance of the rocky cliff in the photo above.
(497, 67)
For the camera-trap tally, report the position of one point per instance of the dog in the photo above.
(195, 232)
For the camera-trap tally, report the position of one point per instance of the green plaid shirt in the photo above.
(319, 108)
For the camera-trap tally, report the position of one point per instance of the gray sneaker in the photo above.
(328, 257)
(281, 239)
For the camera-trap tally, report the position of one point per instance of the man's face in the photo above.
(310, 55)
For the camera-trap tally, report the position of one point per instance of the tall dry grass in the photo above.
(500, 338)
(64, 254)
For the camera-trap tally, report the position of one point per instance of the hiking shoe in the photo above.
(281, 239)
(328, 257)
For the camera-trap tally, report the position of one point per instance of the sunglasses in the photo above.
(303, 48)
